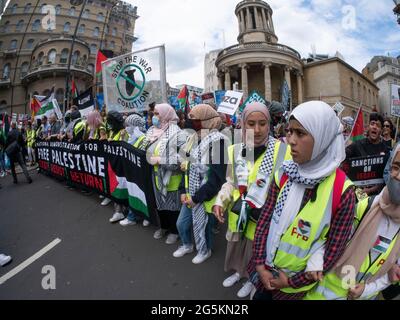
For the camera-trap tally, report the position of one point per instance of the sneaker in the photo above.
(182, 250)
(105, 202)
(146, 223)
(245, 290)
(101, 197)
(4, 259)
(172, 238)
(230, 281)
(200, 258)
(116, 217)
(2, 174)
(127, 222)
(159, 234)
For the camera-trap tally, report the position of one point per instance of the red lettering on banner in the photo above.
(87, 180)
(298, 235)
(366, 176)
(43, 165)
(57, 170)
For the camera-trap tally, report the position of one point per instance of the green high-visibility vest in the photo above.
(175, 179)
(281, 153)
(331, 286)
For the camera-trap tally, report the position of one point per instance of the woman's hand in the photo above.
(356, 292)
(314, 275)
(218, 212)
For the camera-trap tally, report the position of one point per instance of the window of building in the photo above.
(3, 105)
(29, 44)
(81, 28)
(369, 97)
(40, 58)
(112, 44)
(24, 69)
(67, 27)
(114, 32)
(352, 91)
(86, 13)
(13, 44)
(19, 26)
(51, 56)
(36, 25)
(27, 8)
(100, 16)
(93, 48)
(75, 57)
(58, 9)
(64, 55)
(106, 29)
(84, 59)
(72, 11)
(364, 100)
(6, 27)
(90, 67)
(1, 45)
(96, 32)
(358, 92)
(6, 71)
(60, 95)
(14, 8)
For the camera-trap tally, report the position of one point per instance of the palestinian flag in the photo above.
(35, 105)
(74, 90)
(358, 129)
(48, 108)
(122, 189)
(183, 99)
(102, 55)
(382, 244)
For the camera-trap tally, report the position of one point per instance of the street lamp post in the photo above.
(67, 78)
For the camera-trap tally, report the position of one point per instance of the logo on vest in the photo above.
(303, 230)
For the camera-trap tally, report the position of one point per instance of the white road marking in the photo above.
(29, 261)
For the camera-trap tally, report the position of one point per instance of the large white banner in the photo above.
(395, 100)
(133, 80)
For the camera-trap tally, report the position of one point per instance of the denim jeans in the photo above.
(185, 227)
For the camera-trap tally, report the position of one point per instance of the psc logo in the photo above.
(130, 81)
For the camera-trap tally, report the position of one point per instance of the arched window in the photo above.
(29, 44)
(90, 67)
(81, 28)
(352, 91)
(19, 26)
(86, 13)
(100, 16)
(36, 25)
(75, 57)
(358, 92)
(58, 9)
(6, 27)
(6, 71)
(93, 48)
(24, 69)
(96, 32)
(64, 55)
(51, 56)
(1, 45)
(114, 32)
(84, 59)
(13, 44)
(106, 29)
(112, 45)
(27, 8)
(14, 8)
(67, 27)
(3, 105)
(72, 11)
(42, 8)
(364, 100)
(40, 58)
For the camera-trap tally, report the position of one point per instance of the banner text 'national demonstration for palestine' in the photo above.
(114, 169)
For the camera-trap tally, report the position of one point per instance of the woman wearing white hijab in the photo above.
(310, 204)
(373, 251)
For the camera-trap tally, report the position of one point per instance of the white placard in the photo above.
(338, 108)
(230, 102)
(395, 100)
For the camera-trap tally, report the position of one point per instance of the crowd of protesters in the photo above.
(295, 221)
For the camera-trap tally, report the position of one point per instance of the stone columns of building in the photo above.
(228, 85)
(267, 81)
(287, 76)
(220, 80)
(299, 76)
(256, 17)
(271, 23)
(242, 22)
(248, 21)
(264, 19)
(245, 80)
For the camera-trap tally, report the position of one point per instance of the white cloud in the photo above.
(190, 28)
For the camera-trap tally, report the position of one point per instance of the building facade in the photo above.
(35, 51)
(210, 71)
(258, 62)
(384, 71)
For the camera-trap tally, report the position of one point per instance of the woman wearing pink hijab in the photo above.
(162, 143)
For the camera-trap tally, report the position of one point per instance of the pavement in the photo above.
(95, 259)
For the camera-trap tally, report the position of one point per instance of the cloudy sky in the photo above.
(190, 28)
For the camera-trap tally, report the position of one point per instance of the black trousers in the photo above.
(168, 220)
(18, 158)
